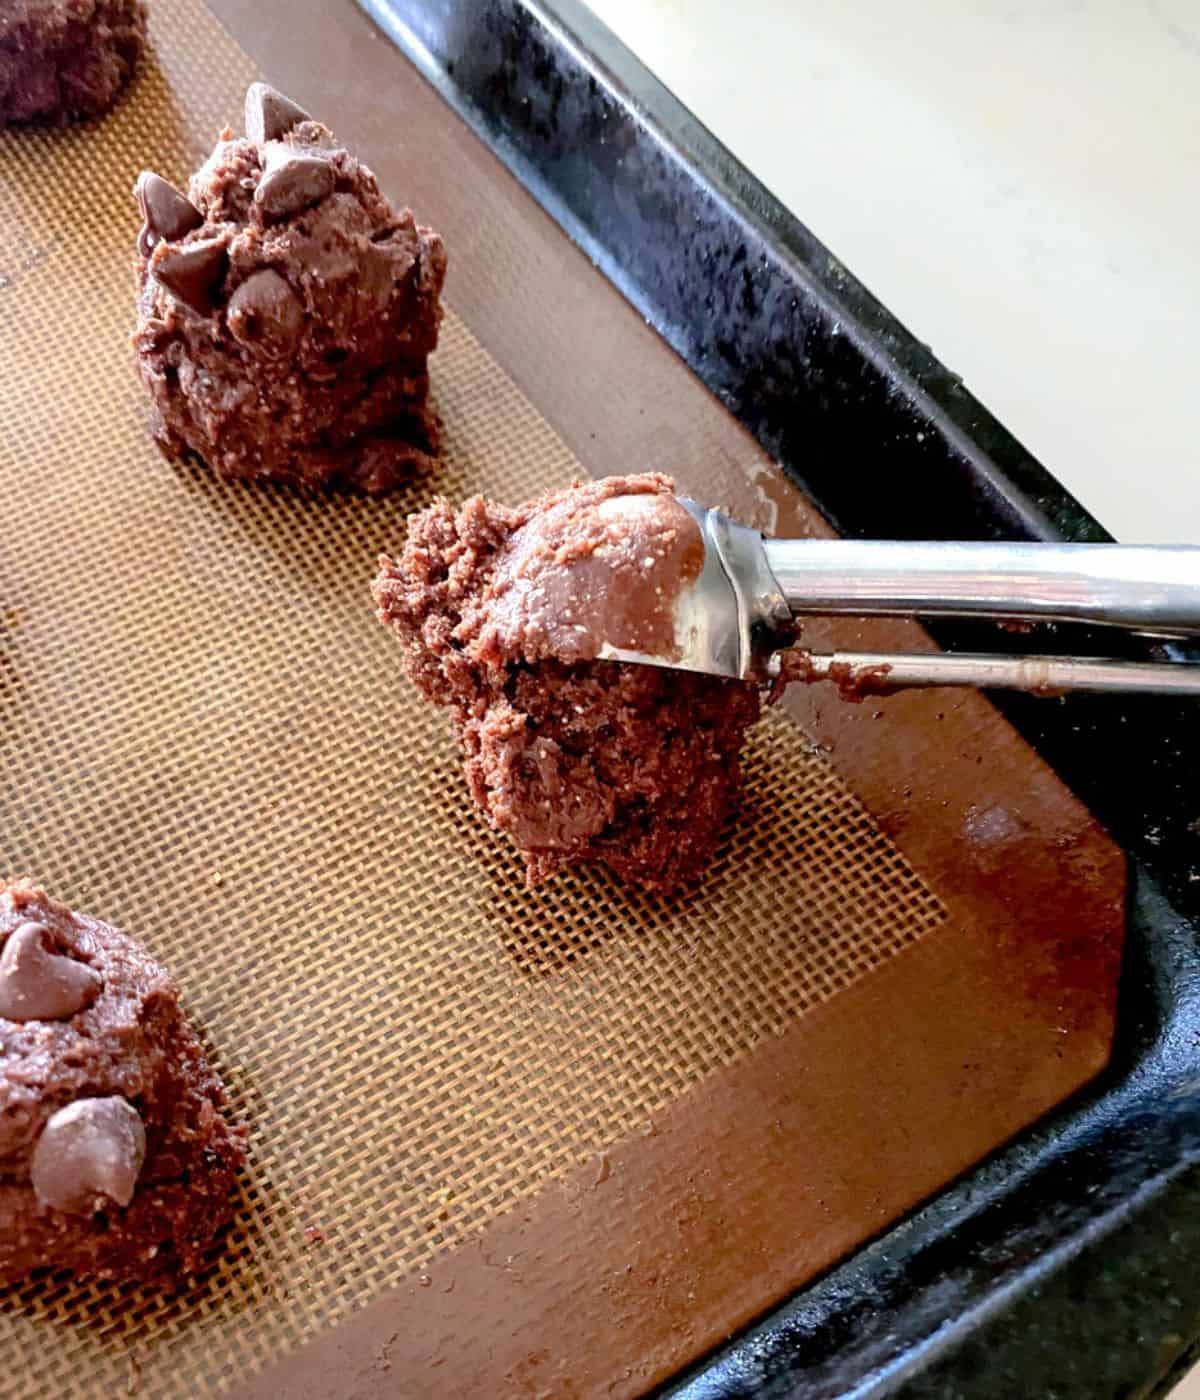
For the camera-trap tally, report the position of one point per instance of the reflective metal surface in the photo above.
(737, 614)
(1154, 588)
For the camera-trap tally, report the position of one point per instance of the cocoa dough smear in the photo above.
(470, 1103)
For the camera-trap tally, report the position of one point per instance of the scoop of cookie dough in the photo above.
(287, 310)
(602, 564)
(62, 59)
(500, 613)
(116, 1157)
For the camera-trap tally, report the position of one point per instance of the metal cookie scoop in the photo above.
(739, 612)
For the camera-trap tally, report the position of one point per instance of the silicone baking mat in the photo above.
(205, 738)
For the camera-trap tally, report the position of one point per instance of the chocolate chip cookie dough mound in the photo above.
(575, 758)
(116, 1158)
(62, 59)
(287, 310)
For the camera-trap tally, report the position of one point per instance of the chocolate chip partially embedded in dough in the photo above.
(192, 272)
(167, 215)
(265, 314)
(38, 984)
(270, 115)
(89, 1156)
(292, 180)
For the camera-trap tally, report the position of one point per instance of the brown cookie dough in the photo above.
(602, 563)
(576, 759)
(115, 1156)
(62, 59)
(287, 310)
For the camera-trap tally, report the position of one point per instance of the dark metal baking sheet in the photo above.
(1062, 1266)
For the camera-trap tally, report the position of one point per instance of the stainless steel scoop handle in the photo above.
(859, 674)
(1143, 588)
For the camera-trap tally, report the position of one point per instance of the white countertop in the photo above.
(1017, 180)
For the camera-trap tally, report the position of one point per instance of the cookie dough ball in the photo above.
(62, 59)
(116, 1158)
(287, 310)
(575, 758)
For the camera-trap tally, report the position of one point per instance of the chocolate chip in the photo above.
(38, 984)
(192, 272)
(89, 1156)
(270, 115)
(292, 179)
(265, 314)
(167, 215)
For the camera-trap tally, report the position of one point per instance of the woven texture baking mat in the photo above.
(205, 737)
